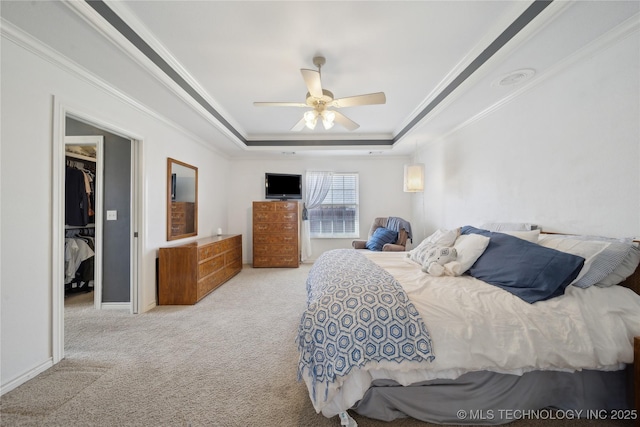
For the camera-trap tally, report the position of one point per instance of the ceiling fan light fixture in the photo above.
(311, 119)
(319, 99)
(327, 119)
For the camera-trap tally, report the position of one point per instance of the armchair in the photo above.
(393, 223)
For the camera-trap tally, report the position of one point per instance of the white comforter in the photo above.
(475, 326)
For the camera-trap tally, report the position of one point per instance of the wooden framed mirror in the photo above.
(182, 200)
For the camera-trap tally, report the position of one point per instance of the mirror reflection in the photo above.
(182, 200)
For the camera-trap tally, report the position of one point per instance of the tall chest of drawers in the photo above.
(276, 234)
(188, 273)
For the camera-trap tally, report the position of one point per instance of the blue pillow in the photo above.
(527, 270)
(381, 237)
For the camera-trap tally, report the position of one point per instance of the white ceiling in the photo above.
(233, 53)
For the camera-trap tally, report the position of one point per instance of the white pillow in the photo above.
(507, 226)
(624, 270)
(530, 236)
(602, 255)
(441, 237)
(469, 248)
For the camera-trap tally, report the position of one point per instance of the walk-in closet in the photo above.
(80, 224)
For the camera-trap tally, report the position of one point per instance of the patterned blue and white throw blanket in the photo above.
(356, 313)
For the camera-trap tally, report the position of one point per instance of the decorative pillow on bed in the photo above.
(437, 257)
(469, 248)
(602, 256)
(441, 237)
(624, 270)
(381, 237)
(527, 270)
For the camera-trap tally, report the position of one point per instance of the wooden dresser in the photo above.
(276, 234)
(182, 218)
(189, 272)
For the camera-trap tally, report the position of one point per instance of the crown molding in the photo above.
(29, 43)
(481, 45)
(100, 24)
(471, 69)
(620, 32)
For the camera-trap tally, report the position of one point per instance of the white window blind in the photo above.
(337, 216)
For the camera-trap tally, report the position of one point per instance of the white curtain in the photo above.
(317, 186)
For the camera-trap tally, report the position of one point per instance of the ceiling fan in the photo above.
(320, 100)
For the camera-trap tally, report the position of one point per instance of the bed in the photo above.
(474, 345)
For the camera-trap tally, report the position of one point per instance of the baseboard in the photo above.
(149, 307)
(26, 377)
(116, 306)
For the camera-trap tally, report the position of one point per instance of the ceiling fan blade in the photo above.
(352, 101)
(280, 104)
(312, 80)
(298, 126)
(345, 122)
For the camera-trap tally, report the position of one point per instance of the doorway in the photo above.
(116, 220)
(118, 194)
(83, 269)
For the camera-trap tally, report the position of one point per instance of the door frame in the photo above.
(61, 110)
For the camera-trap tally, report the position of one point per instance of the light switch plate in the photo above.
(112, 215)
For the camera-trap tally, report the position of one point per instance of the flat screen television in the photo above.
(282, 186)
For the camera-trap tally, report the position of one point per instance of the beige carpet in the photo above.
(230, 360)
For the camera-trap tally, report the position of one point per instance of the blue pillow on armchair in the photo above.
(381, 237)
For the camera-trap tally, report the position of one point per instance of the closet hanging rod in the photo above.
(79, 156)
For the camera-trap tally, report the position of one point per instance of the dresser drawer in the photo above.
(211, 282)
(270, 239)
(287, 206)
(276, 250)
(275, 261)
(263, 207)
(233, 255)
(278, 227)
(233, 268)
(205, 252)
(284, 216)
(275, 206)
(209, 266)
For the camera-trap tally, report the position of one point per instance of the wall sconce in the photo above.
(414, 178)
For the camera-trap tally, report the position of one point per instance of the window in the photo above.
(337, 217)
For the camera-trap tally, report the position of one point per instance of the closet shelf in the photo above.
(73, 227)
(79, 156)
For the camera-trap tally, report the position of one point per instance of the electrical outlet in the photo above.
(112, 215)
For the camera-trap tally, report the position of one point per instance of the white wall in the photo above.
(564, 155)
(29, 86)
(380, 192)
